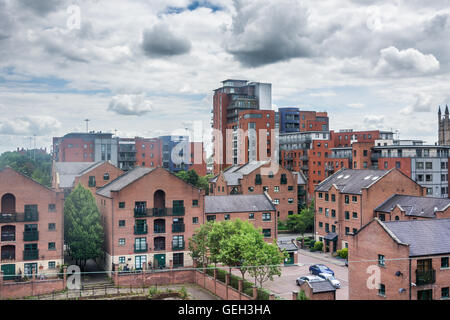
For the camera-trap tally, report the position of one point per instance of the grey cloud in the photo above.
(130, 105)
(41, 7)
(263, 33)
(160, 41)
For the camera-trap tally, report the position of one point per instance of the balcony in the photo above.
(178, 227)
(140, 248)
(30, 254)
(178, 246)
(31, 236)
(140, 229)
(19, 217)
(158, 212)
(425, 277)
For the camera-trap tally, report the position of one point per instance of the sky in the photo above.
(149, 68)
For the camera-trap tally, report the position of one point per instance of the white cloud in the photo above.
(394, 62)
(29, 125)
(130, 105)
(356, 105)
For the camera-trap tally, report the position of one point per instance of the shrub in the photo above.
(249, 292)
(263, 294)
(183, 293)
(343, 253)
(210, 270)
(318, 246)
(221, 275)
(302, 295)
(234, 281)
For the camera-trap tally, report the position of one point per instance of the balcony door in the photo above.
(8, 233)
(425, 294)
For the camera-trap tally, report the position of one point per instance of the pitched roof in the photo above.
(68, 171)
(351, 181)
(424, 237)
(415, 205)
(238, 203)
(287, 245)
(301, 178)
(236, 172)
(321, 286)
(124, 180)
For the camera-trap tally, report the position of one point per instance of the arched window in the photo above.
(8, 204)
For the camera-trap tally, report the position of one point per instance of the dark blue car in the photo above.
(316, 269)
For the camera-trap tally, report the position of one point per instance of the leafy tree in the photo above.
(220, 231)
(193, 178)
(198, 244)
(265, 262)
(83, 231)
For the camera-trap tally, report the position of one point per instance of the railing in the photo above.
(8, 236)
(178, 246)
(178, 227)
(159, 229)
(141, 229)
(160, 247)
(31, 236)
(19, 217)
(425, 277)
(30, 254)
(141, 248)
(158, 212)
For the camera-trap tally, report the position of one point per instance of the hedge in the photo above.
(263, 294)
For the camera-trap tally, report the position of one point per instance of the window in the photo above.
(419, 177)
(91, 181)
(121, 223)
(444, 293)
(397, 164)
(327, 227)
(290, 188)
(327, 212)
(51, 246)
(381, 261)
(444, 262)
(51, 207)
(51, 227)
(266, 216)
(290, 213)
(333, 198)
(355, 215)
(258, 179)
(226, 217)
(333, 228)
(276, 201)
(320, 195)
(251, 189)
(385, 164)
(121, 259)
(266, 233)
(320, 224)
(429, 191)
(121, 205)
(347, 230)
(271, 174)
(195, 203)
(428, 165)
(382, 217)
(51, 264)
(290, 200)
(428, 177)
(320, 210)
(382, 290)
(251, 216)
(210, 218)
(333, 213)
(265, 188)
(121, 241)
(347, 215)
(276, 189)
(347, 199)
(195, 220)
(326, 197)
(178, 260)
(354, 199)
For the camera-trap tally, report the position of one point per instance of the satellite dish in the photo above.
(401, 290)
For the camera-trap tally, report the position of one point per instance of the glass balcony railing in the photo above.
(19, 217)
(158, 212)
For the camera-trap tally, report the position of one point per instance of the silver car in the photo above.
(328, 276)
(302, 279)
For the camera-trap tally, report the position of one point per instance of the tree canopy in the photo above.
(83, 231)
(193, 178)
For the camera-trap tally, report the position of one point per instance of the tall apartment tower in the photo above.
(444, 127)
(240, 105)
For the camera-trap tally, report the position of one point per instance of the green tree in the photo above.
(198, 244)
(193, 178)
(265, 262)
(83, 231)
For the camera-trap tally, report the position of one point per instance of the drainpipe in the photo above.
(409, 284)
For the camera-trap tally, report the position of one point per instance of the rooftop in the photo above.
(238, 203)
(424, 237)
(321, 286)
(124, 180)
(68, 171)
(351, 181)
(415, 205)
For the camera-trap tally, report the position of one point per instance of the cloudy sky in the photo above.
(149, 67)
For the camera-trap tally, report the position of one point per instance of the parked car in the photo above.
(302, 279)
(327, 276)
(316, 269)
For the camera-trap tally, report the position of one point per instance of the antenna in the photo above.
(87, 125)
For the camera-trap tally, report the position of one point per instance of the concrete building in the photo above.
(148, 215)
(31, 225)
(257, 209)
(410, 261)
(250, 178)
(345, 202)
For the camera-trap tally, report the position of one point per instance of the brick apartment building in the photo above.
(240, 110)
(31, 226)
(412, 258)
(67, 175)
(404, 207)
(345, 202)
(148, 214)
(257, 209)
(282, 186)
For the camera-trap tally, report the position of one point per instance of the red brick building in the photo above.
(148, 215)
(251, 178)
(410, 261)
(31, 226)
(257, 209)
(313, 121)
(345, 202)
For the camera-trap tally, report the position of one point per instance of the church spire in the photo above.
(446, 109)
(439, 112)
